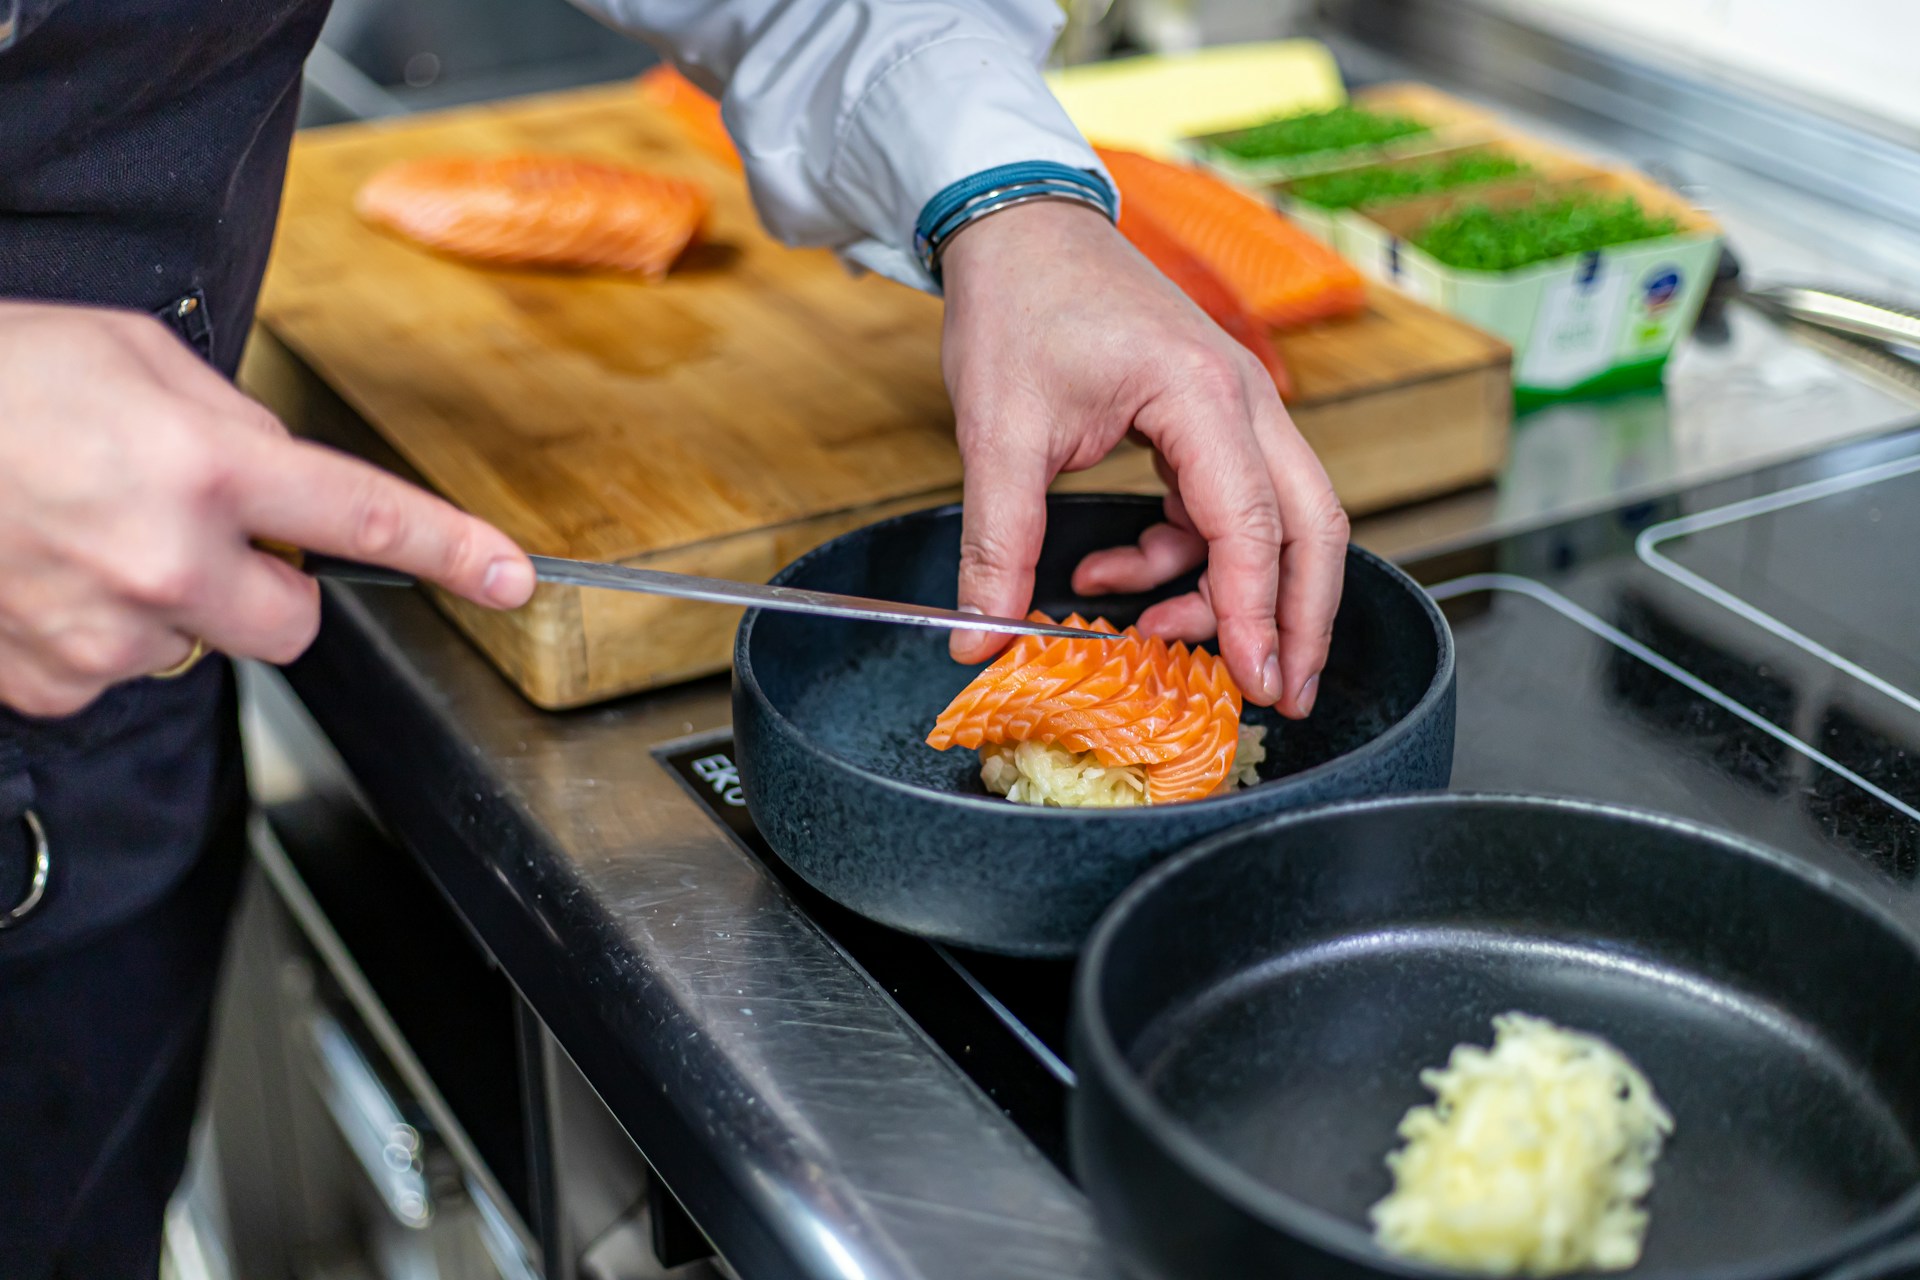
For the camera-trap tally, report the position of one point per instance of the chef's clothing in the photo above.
(851, 115)
(140, 166)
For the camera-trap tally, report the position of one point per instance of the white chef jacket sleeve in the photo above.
(850, 115)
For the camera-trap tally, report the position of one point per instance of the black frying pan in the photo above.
(830, 719)
(1896, 1262)
(1251, 1017)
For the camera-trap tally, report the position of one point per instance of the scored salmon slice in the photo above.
(1207, 291)
(693, 109)
(539, 210)
(1280, 274)
(1173, 711)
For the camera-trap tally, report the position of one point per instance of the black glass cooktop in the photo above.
(1745, 654)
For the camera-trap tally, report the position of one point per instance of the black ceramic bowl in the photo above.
(830, 719)
(1250, 1021)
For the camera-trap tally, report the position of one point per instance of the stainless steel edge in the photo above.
(806, 1123)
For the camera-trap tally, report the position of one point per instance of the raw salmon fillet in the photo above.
(538, 210)
(1173, 710)
(1281, 275)
(693, 109)
(1198, 282)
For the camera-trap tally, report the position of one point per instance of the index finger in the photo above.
(321, 500)
(1313, 559)
(1003, 524)
(1228, 494)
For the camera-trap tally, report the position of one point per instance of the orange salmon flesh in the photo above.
(539, 210)
(1173, 710)
(693, 109)
(1281, 275)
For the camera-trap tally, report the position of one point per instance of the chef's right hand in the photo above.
(132, 481)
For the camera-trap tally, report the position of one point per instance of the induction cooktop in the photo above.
(1745, 654)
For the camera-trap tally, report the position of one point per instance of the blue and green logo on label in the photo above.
(1658, 292)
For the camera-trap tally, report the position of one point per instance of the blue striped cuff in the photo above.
(982, 193)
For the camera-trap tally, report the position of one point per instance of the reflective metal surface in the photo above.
(1843, 312)
(37, 881)
(804, 1121)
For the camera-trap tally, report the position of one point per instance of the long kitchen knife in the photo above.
(614, 577)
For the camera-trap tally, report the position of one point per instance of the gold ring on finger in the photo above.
(185, 664)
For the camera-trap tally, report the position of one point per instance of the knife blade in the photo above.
(615, 577)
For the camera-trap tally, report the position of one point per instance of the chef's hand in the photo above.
(1060, 339)
(132, 478)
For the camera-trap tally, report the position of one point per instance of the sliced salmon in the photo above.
(539, 210)
(1140, 701)
(1281, 275)
(693, 109)
(1198, 281)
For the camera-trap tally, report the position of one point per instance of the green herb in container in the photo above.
(1479, 238)
(1339, 129)
(1379, 184)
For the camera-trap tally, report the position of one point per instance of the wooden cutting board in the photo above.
(755, 403)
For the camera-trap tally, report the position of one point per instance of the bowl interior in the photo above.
(869, 692)
(1341, 957)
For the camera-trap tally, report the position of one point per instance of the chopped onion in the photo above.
(1531, 1160)
(1045, 774)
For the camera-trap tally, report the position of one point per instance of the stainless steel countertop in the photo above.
(809, 1127)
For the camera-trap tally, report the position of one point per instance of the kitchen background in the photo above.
(1856, 54)
(384, 56)
(1849, 59)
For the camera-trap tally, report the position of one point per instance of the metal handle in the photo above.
(42, 869)
(388, 1148)
(1874, 319)
(498, 1237)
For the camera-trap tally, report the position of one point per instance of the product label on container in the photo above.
(1573, 335)
(1656, 316)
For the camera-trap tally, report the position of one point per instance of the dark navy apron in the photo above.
(142, 146)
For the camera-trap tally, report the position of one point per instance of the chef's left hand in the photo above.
(1060, 340)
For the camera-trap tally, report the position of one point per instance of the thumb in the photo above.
(1002, 525)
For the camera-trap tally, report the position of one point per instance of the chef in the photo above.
(142, 146)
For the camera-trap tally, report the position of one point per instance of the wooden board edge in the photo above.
(1472, 414)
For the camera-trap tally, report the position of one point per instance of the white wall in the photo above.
(1861, 54)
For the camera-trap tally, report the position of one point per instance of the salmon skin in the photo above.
(693, 109)
(1174, 711)
(539, 210)
(1281, 275)
(1205, 289)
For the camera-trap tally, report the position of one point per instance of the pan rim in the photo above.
(1336, 1235)
(1884, 1260)
(1403, 726)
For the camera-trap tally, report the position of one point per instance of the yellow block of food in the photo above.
(1149, 103)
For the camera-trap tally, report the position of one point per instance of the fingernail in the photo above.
(1270, 678)
(1309, 690)
(507, 583)
(962, 645)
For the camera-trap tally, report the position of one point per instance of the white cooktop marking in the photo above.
(1649, 540)
(1540, 592)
